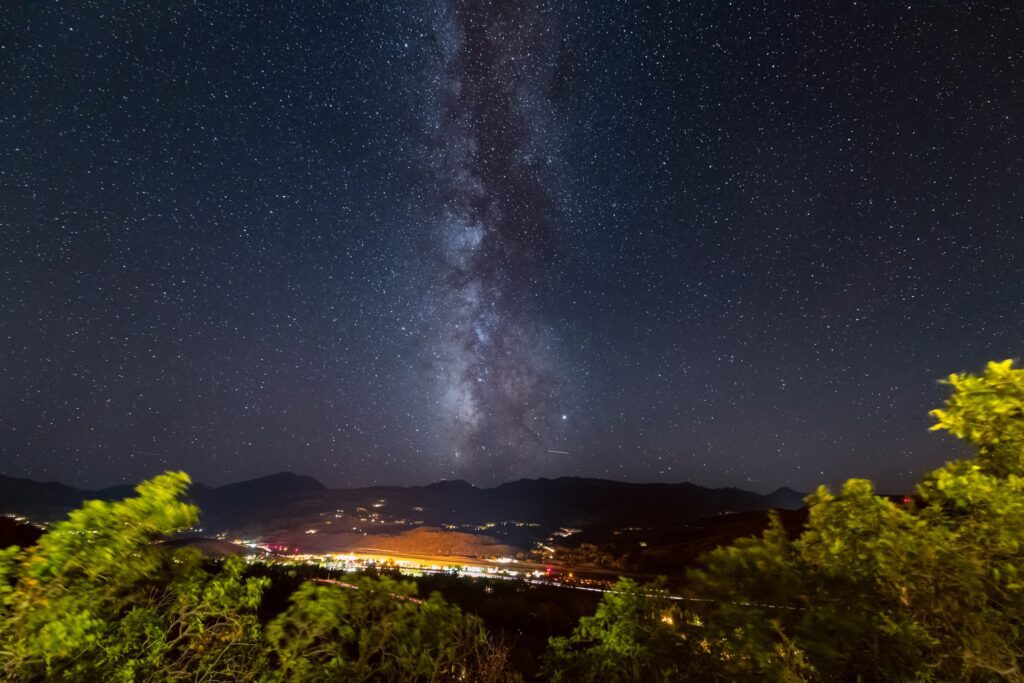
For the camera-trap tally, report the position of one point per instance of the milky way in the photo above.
(734, 243)
(494, 69)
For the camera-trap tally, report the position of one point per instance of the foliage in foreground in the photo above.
(102, 598)
(631, 637)
(930, 589)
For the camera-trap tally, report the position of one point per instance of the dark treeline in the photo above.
(929, 588)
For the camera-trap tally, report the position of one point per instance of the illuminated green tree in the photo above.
(927, 589)
(872, 590)
(987, 411)
(377, 629)
(101, 597)
(636, 635)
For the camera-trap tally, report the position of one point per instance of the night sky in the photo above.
(734, 243)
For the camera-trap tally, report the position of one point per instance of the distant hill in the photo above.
(416, 541)
(46, 501)
(232, 504)
(303, 512)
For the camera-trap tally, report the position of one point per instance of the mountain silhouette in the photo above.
(287, 500)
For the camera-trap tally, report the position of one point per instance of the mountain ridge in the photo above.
(285, 501)
(286, 475)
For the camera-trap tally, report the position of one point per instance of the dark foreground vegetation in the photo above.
(930, 588)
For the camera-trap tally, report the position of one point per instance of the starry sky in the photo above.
(734, 243)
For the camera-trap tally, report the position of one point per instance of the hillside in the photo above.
(450, 517)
